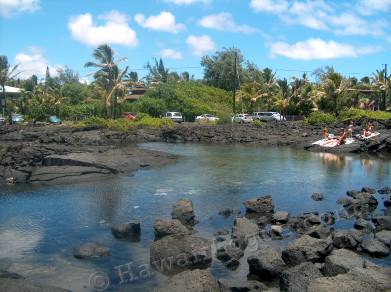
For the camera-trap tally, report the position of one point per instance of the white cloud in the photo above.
(321, 15)
(114, 31)
(165, 21)
(171, 54)
(367, 7)
(8, 8)
(34, 63)
(318, 49)
(225, 22)
(186, 2)
(201, 45)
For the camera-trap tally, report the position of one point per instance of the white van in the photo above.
(175, 116)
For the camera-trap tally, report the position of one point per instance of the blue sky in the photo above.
(352, 36)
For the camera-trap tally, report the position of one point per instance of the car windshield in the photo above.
(177, 114)
(267, 114)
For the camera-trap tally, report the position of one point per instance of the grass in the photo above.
(357, 114)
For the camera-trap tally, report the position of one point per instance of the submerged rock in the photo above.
(262, 205)
(384, 191)
(193, 281)
(169, 227)
(267, 264)
(375, 248)
(91, 250)
(317, 197)
(130, 230)
(342, 261)
(306, 248)
(230, 256)
(183, 211)
(175, 253)
(298, 278)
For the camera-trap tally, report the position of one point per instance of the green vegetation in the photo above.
(330, 96)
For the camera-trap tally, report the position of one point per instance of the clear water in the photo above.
(39, 226)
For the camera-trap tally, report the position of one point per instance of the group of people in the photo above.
(345, 134)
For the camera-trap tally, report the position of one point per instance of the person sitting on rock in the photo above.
(325, 134)
(342, 137)
(350, 130)
(370, 128)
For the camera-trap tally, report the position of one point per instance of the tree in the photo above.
(185, 76)
(6, 73)
(132, 76)
(157, 72)
(105, 75)
(67, 75)
(381, 82)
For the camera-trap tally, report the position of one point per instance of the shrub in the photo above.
(357, 114)
(258, 123)
(320, 118)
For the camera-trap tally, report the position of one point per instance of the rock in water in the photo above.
(22, 285)
(328, 218)
(130, 230)
(91, 250)
(384, 236)
(321, 231)
(176, 253)
(306, 248)
(317, 197)
(280, 217)
(384, 191)
(242, 231)
(262, 205)
(297, 279)
(183, 211)
(341, 261)
(239, 286)
(266, 264)
(362, 224)
(192, 281)
(169, 227)
(347, 238)
(375, 248)
(382, 222)
(230, 256)
(368, 190)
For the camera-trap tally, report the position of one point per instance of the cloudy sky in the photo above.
(287, 36)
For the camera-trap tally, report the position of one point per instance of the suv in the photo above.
(242, 118)
(2, 120)
(268, 116)
(175, 116)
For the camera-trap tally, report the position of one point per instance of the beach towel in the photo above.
(332, 143)
(370, 136)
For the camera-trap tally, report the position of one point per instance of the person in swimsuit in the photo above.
(342, 137)
(325, 134)
(350, 130)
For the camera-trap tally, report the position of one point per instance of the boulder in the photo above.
(368, 190)
(375, 247)
(226, 212)
(175, 253)
(342, 261)
(352, 193)
(370, 279)
(221, 232)
(306, 248)
(91, 250)
(195, 281)
(384, 191)
(384, 236)
(362, 224)
(169, 227)
(230, 256)
(184, 212)
(312, 218)
(130, 230)
(321, 231)
(387, 201)
(241, 286)
(280, 217)
(349, 239)
(23, 285)
(317, 197)
(382, 222)
(243, 230)
(276, 232)
(262, 205)
(267, 264)
(297, 278)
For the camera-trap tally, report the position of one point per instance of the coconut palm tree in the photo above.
(6, 73)
(107, 67)
(382, 83)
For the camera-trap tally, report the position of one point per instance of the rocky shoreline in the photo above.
(59, 154)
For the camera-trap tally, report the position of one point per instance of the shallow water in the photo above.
(39, 226)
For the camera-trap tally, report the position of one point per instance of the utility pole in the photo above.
(234, 85)
(385, 90)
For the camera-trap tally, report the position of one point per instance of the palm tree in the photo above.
(107, 67)
(157, 72)
(6, 73)
(381, 82)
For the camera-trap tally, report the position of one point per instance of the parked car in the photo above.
(2, 120)
(268, 116)
(54, 120)
(206, 118)
(174, 116)
(242, 118)
(17, 118)
(129, 116)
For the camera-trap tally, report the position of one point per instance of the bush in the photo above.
(320, 118)
(357, 114)
(75, 112)
(258, 123)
